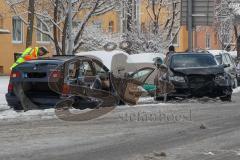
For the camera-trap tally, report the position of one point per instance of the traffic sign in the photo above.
(202, 12)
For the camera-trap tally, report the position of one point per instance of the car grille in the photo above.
(199, 81)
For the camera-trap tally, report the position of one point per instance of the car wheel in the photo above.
(120, 103)
(158, 98)
(161, 98)
(18, 108)
(226, 98)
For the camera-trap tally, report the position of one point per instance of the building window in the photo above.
(175, 39)
(111, 26)
(143, 27)
(1, 69)
(1, 21)
(208, 41)
(41, 37)
(17, 31)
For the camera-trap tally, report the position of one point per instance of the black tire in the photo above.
(17, 108)
(158, 98)
(226, 98)
(161, 98)
(120, 102)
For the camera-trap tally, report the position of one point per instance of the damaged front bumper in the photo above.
(209, 86)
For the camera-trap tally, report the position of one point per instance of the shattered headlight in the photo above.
(177, 79)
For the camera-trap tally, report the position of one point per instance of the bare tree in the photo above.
(53, 16)
(157, 33)
(30, 23)
(226, 15)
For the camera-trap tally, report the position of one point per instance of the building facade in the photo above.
(109, 22)
(15, 42)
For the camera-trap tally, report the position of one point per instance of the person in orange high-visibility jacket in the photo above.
(29, 54)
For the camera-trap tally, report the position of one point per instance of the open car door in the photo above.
(128, 88)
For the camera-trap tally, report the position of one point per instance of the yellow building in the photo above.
(179, 38)
(16, 40)
(109, 22)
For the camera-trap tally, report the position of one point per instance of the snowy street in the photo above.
(190, 129)
(120, 80)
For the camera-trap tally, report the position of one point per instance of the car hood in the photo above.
(213, 70)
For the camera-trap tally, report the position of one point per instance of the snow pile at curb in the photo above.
(3, 90)
(29, 115)
(4, 107)
(236, 90)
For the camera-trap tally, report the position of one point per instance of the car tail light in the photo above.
(56, 74)
(15, 74)
(10, 87)
(66, 89)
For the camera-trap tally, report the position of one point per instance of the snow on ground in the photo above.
(236, 90)
(3, 90)
(11, 115)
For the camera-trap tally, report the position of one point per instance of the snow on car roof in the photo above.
(104, 56)
(233, 54)
(216, 52)
(144, 57)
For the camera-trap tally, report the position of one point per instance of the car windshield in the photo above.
(192, 60)
(219, 59)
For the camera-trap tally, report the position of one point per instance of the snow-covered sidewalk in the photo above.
(3, 90)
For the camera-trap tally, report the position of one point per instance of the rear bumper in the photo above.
(41, 101)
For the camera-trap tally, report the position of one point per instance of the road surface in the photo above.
(204, 129)
(179, 130)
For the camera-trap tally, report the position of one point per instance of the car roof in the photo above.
(191, 53)
(103, 56)
(217, 52)
(144, 57)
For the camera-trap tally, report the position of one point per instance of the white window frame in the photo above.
(178, 39)
(13, 40)
(41, 35)
(111, 27)
(208, 40)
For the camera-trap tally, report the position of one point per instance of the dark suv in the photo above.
(197, 75)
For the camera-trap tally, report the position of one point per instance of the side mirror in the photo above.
(226, 65)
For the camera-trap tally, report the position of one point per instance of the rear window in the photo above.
(192, 60)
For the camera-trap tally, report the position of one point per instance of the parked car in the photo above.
(197, 75)
(223, 57)
(237, 62)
